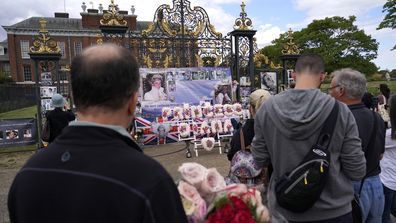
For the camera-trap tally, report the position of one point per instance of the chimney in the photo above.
(61, 15)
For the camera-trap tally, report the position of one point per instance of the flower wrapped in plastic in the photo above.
(205, 129)
(207, 110)
(218, 110)
(186, 111)
(238, 109)
(196, 111)
(177, 113)
(216, 126)
(166, 112)
(228, 110)
(206, 198)
(228, 128)
(184, 130)
(237, 203)
(208, 143)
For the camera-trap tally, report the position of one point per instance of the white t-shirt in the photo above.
(388, 162)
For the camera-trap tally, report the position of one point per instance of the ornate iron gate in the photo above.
(180, 37)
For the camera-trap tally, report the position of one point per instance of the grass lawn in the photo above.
(28, 112)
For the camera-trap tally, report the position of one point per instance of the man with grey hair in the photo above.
(349, 86)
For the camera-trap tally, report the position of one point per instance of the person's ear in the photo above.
(322, 77)
(133, 99)
(294, 75)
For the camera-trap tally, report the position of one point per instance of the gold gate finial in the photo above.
(243, 22)
(112, 17)
(43, 43)
(290, 48)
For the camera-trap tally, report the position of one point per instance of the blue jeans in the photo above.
(390, 204)
(371, 199)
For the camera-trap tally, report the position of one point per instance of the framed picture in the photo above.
(46, 78)
(154, 87)
(269, 82)
(47, 91)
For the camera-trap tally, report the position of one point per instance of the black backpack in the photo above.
(298, 190)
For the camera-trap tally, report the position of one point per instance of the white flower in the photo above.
(208, 143)
(213, 126)
(184, 130)
(238, 109)
(177, 113)
(213, 181)
(205, 129)
(228, 126)
(166, 112)
(195, 128)
(228, 110)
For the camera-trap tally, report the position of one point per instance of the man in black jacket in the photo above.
(348, 86)
(94, 171)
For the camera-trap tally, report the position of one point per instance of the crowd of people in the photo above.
(92, 171)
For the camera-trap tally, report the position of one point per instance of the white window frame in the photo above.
(25, 49)
(77, 48)
(24, 73)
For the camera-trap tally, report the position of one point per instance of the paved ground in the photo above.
(12, 162)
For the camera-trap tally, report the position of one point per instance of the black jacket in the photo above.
(365, 122)
(58, 120)
(248, 133)
(93, 174)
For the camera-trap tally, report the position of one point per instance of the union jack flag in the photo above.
(157, 132)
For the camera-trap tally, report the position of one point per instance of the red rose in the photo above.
(227, 213)
(243, 217)
(239, 205)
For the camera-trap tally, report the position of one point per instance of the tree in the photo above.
(337, 40)
(390, 18)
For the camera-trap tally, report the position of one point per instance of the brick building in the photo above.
(71, 34)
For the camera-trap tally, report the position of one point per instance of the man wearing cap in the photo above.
(94, 171)
(57, 118)
(157, 92)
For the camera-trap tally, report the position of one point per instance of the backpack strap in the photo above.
(242, 139)
(328, 127)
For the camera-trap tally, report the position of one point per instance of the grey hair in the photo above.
(352, 81)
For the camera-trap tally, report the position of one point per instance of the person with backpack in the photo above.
(351, 87)
(242, 168)
(287, 129)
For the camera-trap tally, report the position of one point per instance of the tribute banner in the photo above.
(175, 86)
(18, 132)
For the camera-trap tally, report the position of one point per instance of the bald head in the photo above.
(104, 76)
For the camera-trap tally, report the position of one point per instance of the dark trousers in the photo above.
(347, 218)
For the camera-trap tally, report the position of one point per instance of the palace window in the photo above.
(27, 73)
(25, 49)
(77, 48)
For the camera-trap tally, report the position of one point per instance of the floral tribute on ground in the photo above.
(206, 198)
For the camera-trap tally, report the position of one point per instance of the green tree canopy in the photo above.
(390, 17)
(337, 40)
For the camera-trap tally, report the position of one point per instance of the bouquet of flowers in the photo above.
(208, 143)
(196, 111)
(205, 129)
(238, 109)
(228, 128)
(177, 113)
(218, 111)
(207, 110)
(206, 198)
(186, 111)
(184, 130)
(228, 110)
(216, 126)
(195, 128)
(166, 111)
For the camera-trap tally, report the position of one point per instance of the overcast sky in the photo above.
(270, 17)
